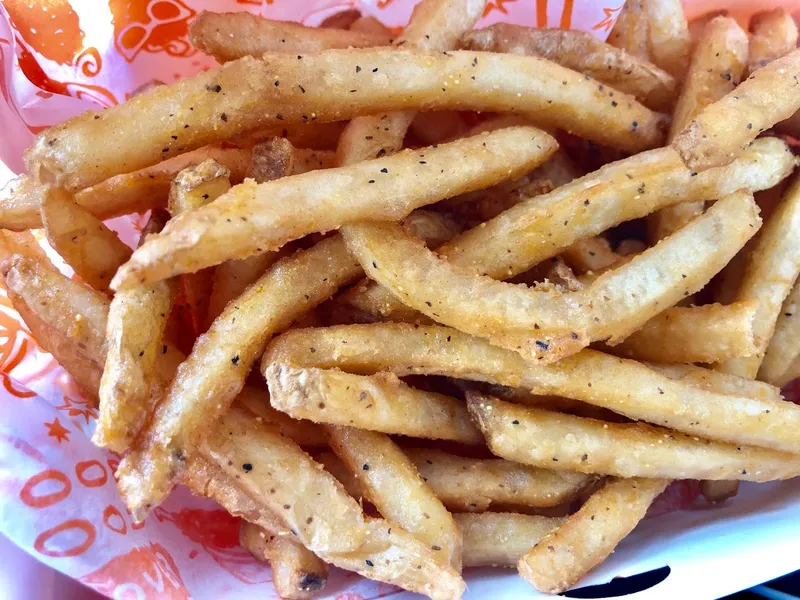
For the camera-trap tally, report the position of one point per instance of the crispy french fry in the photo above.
(774, 34)
(215, 372)
(393, 484)
(717, 66)
(589, 536)
(672, 336)
(271, 159)
(473, 485)
(255, 218)
(584, 53)
(772, 268)
(591, 254)
(334, 465)
(382, 403)
(297, 573)
(24, 244)
(715, 381)
(724, 129)
(308, 135)
(784, 347)
(232, 278)
(630, 32)
(83, 241)
(698, 24)
(137, 321)
(668, 35)
(341, 20)
(241, 96)
(547, 439)
(754, 419)
(228, 36)
(613, 306)
(501, 539)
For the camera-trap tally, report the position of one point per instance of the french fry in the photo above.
(589, 536)
(232, 278)
(477, 485)
(308, 135)
(135, 192)
(784, 347)
(724, 129)
(228, 36)
(774, 34)
(719, 491)
(297, 573)
(334, 465)
(255, 218)
(698, 24)
(241, 96)
(501, 539)
(369, 25)
(381, 403)
(561, 323)
(393, 484)
(23, 244)
(215, 372)
(271, 159)
(302, 432)
(83, 241)
(341, 20)
(672, 335)
(590, 376)
(438, 127)
(591, 254)
(137, 321)
(584, 53)
(547, 439)
(717, 66)
(715, 381)
(668, 35)
(631, 30)
(772, 268)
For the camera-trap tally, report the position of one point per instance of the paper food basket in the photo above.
(58, 499)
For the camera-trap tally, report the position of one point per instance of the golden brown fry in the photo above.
(706, 334)
(589, 536)
(215, 372)
(228, 36)
(717, 67)
(271, 159)
(698, 24)
(550, 325)
(630, 32)
(772, 268)
(341, 20)
(23, 244)
(381, 403)
(501, 539)
(302, 432)
(715, 381)
(546, 439)
(123, 194)
(129, 389)
(724, 129)
(739, 417)
(438, 127)
(392, 483)
(83, 241)
(370, 25)
(774, 34)
(255, 218)
(232, 278)
(334, 465)
(784, 347)
(584, 53)
(591, 254)
(241, 96)
(668, 35)
(477, 485)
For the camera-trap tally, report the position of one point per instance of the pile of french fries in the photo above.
(381, 310)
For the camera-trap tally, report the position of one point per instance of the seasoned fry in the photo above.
(591, 254)
(672, 336)
(334, 465)
(668, 35)
(302, 432)
(501, 539)
(341, 20)
(137, 320)
(82, 151)
(631, 30)
(755, 419)
(784, 347)
(774, 34)
(543, 438)
(472, 485)
(772, 268)
(717, 67)
(393, 484)
(589, 536)
(698, 24)
(23, 244)
(380, 403)
(214, 373)
(297, 573)
(724, 129)
(254, 218)
(584, 53)
(83, 241)
(228, 36)
(714, 381)
(271, 159)
(613, 306)
(232, 278)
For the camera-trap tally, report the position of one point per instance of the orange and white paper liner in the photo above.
(58, 498)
